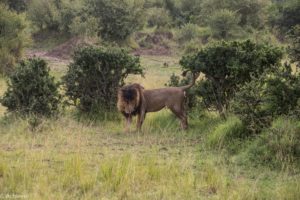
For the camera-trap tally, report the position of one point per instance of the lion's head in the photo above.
(129, 99)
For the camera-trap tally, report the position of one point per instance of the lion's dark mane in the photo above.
(129, 93)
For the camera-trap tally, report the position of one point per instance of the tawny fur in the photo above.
(135, 100)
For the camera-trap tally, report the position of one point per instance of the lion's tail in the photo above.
(195, 76)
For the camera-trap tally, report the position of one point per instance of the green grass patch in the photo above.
(227, 134)
(277, 147)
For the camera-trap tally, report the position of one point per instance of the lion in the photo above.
(134, 100)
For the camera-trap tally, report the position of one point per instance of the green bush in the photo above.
(192, 46)
(13, 39)
(261, 100)
(44, 14)
(31, 90)
(183, 11)
(224, 24)
(158, 17)
(227, 134)
(16, 5)
(227, 65)
(252, 13)
(94, 76)
(188, 32)
(278, 146)
(294, 47)
(285, 15)
(117, 19)
(84, 26)
(59, 16)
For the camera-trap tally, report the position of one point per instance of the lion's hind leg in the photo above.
(180, 113)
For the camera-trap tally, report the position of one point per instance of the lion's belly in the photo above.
(155, 108)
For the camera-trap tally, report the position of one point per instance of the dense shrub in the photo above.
(294, 48)
(13, 38)
(16, 5)
(251, 12)
(158, 17)
(184, 11)
(227, 65)
(188, 32)
(261, 100)
(192, 46)
(278, 146)
(117, 19)
(285, 15)
(44, 14)
(85, 26)
(95, 75)
(224, 24)
(31, 90)
(59, 16)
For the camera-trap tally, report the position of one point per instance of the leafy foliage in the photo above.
(294, 48)
(251, 12)
(188, 32)
(44, 14)
(117, 19)
(224, 24)
(184, 11)
(261, 100)
(59, 16)
(31, 90)
(13, 38)
(16, 5)
(226, 65)
(95, 75)
(158, 17)
(285, 15)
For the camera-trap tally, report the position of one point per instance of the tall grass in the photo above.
(72, 158)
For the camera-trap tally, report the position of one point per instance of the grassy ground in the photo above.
(69, 159)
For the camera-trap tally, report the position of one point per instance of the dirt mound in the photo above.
(154, 43)
(65, 50)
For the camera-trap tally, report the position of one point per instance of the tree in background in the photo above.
(285, 15)
(62, 16)
(13, 38)
(44, 14)
(16, 5)
(252, 12)
(224, 24)
(117, 19)
(158, 17)
(183, 11)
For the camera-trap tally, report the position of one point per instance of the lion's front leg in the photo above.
(128, 121)
(140, 120)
